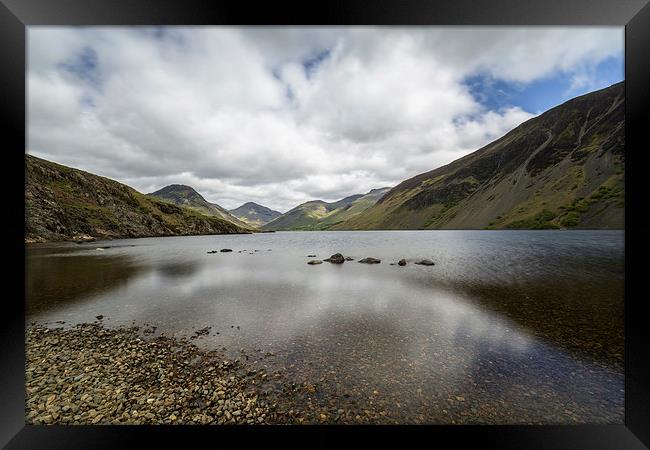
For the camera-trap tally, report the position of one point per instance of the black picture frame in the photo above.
(16, 15)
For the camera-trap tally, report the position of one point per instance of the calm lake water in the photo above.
(507, 327)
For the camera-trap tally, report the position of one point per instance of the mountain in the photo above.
(254, 215)
(62, 203)
(320, 215)
(186, 196)
(562, 169)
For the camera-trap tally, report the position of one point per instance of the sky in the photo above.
(284, 115)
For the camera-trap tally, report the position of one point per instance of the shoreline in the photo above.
(89, 374)
(30, 241)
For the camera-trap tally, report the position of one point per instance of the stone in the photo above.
(370, 260)
(225, 250)
(336, 258)
(401, 262)
(314, 262)
(425, 262)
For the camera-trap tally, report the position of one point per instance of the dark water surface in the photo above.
(507, 327)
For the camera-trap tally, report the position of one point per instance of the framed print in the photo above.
(254, 222)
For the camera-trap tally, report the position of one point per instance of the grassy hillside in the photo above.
(562, 169)
(62, 203)
(320, 215)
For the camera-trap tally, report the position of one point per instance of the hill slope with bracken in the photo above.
(561, 169)
(62, 203)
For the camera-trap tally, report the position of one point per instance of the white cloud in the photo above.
(233, 112)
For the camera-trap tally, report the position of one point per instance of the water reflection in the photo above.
(60, 280)
(486, 327)
(178, 270)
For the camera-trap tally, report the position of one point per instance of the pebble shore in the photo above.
(93, 375)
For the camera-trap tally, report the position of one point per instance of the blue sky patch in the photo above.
(544, 94)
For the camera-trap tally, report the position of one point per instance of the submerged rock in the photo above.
(315, 261)
(425, 262)
(311, 256)
(347, 258)
(401, 262)
(336, 258)
(212, 251)
(370, 260)
(226, 250)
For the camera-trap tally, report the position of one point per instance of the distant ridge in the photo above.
(320, 215)
(254, 214)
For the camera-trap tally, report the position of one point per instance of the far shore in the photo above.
(90, 239)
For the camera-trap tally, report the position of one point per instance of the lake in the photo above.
(507, 327)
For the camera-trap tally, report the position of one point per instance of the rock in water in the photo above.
(226, 250)
(311, 256)
(212, 251)
(347, 258)
(315, 261)
(401, 262)
(425, 262)
(370, 260)
(336, 258)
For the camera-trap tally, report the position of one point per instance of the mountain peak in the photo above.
(187, 196)
(255, 214)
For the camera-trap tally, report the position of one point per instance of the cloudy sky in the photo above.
(281, 115)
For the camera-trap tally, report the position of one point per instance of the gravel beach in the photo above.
(93, 375)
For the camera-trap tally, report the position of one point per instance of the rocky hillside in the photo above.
(186, 196)
(255, 215)
(320, 215)
(562, 169)
(62, 203)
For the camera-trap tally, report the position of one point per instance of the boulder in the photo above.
(225, 250)
(401, 262)
(315, 261)
(425, 262)
(370, 260)
(336, 258)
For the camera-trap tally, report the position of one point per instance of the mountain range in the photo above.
(562, 169)
(321, 215)
(62, 203)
